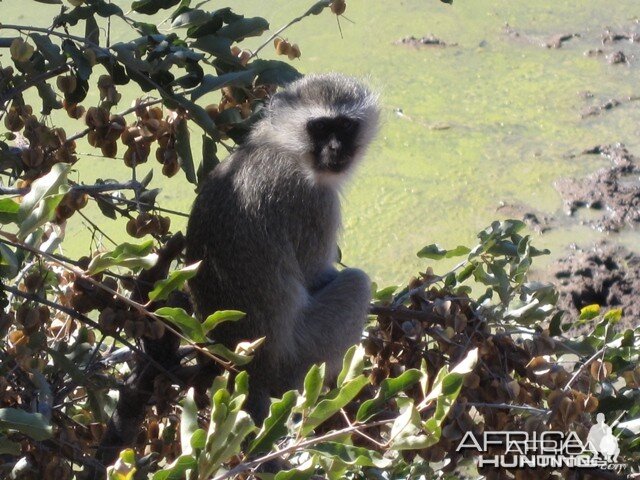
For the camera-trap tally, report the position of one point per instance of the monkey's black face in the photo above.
(333, 142)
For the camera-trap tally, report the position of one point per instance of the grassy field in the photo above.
(488, 120)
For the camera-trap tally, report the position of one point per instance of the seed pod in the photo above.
(155, 113)
(75, 111)
(155, 330)
(20, 50)
(67, 83)
(81, 302)
(294, 52)
(129, 135)
(144, 224)
(283, 48)
(104, 82)
(109, 149)
(107, 320)
(32, 157)
(244, 57)
(338, 6)
(33, 281)
(165, 224)
(153, 430)
(132, 228)
(170, 168)
(13, 122)
(97, 117)
(63, 213)
(165, 139)
(117, 125)
(212, 111)
(77, 199)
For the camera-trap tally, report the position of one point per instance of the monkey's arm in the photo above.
(332, 321)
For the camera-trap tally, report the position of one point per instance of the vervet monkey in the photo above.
(265, 226)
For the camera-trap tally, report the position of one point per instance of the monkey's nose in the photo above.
(334, 145)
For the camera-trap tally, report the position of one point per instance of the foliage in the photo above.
(114, 332)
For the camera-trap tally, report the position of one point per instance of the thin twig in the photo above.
(282, 29)
(506, 406)
(90, 189)
(582, 367)
(243, 467)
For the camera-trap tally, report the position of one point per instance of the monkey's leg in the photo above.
(332, 321)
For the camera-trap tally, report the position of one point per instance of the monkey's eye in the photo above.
(347, 124)
(318, 126)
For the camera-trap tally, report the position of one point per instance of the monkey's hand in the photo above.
(322, 280)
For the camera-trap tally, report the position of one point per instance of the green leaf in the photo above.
(303, 472)
(216, 318)
(9, 263)
(198, 439)
(183, 149)
(189, 326)
(188, 421)
(313, 382)
(8, 210)
(274, 426)
(209, 158)
(407, 432)
(351, 455)
(589, 312)
(210, 82)
(241, 384)
(274, 72)
(149, 7)
(433, 251)
(49, 98)
(222, 351)
(7, 447)
(614, 315)
(436, 252)
(385, 294)
(214, 45)
(163, 288)
(34, 425)
(92, 30)
(105, 9)
(389, 388)
(32, 209)
(191, 18)
(352, 364)
(80, 62)
(333, 403)
(177, 469)
(49, 50)
(44, 212)
(244, 27)
(126, 255)
(318, 7)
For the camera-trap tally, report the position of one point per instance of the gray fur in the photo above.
(265, 227)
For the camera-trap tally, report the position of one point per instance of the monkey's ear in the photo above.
(280, 100)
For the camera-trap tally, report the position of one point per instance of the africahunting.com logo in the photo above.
(550, 449)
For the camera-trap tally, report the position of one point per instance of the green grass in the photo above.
(512, 109)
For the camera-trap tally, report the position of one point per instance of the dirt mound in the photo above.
(426, 41)
(606, 274)
(614, 190)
